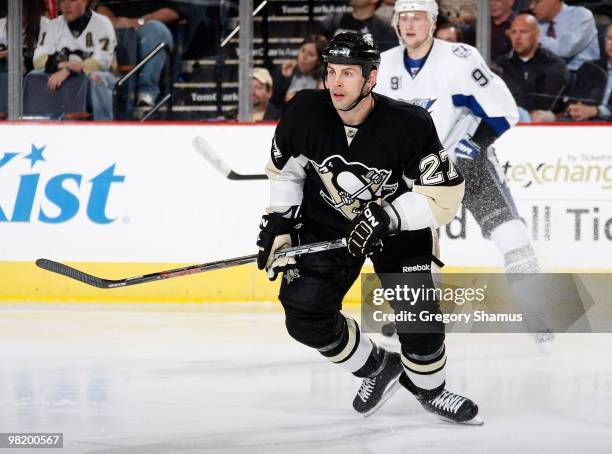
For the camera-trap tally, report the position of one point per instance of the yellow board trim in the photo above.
(24, 281)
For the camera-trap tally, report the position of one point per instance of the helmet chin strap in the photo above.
(361, 96)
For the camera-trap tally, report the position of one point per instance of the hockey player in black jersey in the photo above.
(346, 162)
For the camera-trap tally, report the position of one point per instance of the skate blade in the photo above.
(475, 421)
(391, 389)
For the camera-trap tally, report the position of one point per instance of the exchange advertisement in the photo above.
(561, 181)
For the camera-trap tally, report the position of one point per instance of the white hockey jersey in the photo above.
(455, 86)
(4, 29)
(97, 41)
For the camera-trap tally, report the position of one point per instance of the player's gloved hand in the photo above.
(275, 234)
(467, 149)
(368, 228)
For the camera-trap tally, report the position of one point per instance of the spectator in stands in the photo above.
(79, 41)
(261, 93)
(361, 20)
(33, 19)
(501, 18)
(449, 32)
(150, 19)
(568, 31)
(591, 99)
(303, 72)
(536, 77)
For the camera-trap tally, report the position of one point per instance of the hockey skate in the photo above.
(446, 405)
(377, 389)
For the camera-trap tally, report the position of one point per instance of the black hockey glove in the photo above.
(368, 228)
(275, 233)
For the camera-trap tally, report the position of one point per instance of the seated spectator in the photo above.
(79, 41)
(536, 77)
(568, 31)
(33, 20)
(449, 32)
(150, 19)
(261, 93)
(303, 72)
(501, 18)
(361, 20)
(590, 99)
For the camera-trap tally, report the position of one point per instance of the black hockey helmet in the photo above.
(350, 48)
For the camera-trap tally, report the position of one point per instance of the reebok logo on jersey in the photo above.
(415, 268)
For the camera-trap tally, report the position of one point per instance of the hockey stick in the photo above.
(81, 276)
(207, 152)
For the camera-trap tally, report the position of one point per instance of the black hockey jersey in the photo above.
(332, 170)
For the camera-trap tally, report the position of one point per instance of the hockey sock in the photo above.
(513, 241)
(352, 350)
(427, 372)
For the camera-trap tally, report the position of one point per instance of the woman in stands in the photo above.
(303, 72)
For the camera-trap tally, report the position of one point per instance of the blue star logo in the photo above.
(35, 155)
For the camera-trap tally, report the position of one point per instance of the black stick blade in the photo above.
(65, 270)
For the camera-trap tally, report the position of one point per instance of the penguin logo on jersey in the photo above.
(349, 186)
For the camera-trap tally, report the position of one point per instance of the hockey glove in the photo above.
(467, 149)
(275, 234)
(368, 227)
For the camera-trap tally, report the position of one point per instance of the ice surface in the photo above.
(226, 378)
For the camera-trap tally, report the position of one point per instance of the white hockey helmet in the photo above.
(403, 6)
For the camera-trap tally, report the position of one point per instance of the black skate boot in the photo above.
(376, 389)
(447, 406)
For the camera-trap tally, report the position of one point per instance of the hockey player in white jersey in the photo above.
(471, 107)
(79, 40)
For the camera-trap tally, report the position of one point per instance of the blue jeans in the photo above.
(149, 36)
(101, 94)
